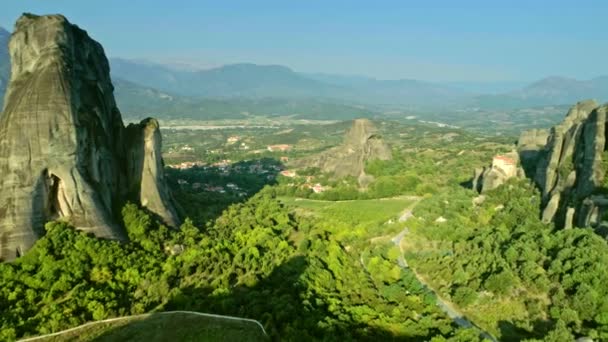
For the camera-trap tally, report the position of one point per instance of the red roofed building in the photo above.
(506, 165)
(281, 147)
(288, 173)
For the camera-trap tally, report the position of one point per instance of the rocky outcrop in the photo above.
(145, 170)
(568, 163)
(503, 168)
(62, 140)
(361, 143)
(570, 168)
(530, 146)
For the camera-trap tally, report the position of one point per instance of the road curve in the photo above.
(444, 305)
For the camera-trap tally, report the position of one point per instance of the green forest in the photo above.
(257, 260)
(326, 266)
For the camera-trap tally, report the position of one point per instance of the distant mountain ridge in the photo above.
(554, 90)
(229, 81)
(248, 80)
(137, 101)
(259, 81)
(234, 89)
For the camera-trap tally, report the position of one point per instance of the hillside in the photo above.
(549, 91)
(260, 81)
(404, 92)
(137, 101)
(234, 80)
(164, 326)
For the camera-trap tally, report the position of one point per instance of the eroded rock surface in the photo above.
(570, 168)
(361, 143)
(62, 147)
(568, 163)
(145, 169)
(503, 168)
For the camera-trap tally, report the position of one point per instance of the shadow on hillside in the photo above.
(278, 302)
(203, 192)
(511, 332)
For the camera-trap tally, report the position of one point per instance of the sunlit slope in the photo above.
(168, 326)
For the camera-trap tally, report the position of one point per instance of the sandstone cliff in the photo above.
(145, 170)
(361, 143)
(5, 63)
(62, 140)
(568, 163)
(570, 169)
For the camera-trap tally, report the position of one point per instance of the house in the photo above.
(280, 147)
(318, 188)
(288, 173)
(284, 159)
(233, 139)
(506, 165)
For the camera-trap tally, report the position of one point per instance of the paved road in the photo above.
(444, 305)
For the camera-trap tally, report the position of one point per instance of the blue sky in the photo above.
(459, 40)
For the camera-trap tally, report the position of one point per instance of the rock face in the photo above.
(62, 140)
(571, 167)
(568, 163)
(361, 143)
(529, 146)
(145, 170)
(5, 63)
(503, 168)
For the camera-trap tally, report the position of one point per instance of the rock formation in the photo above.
(361, 143)
(503, 168)
(62, 140)
(5, 63)
(568, 164)
(145, 170)
(570, 169)
(529, 146)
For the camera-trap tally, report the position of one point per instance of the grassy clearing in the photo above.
(356, 212)
(165, 327)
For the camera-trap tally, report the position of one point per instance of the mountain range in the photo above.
(553, 90)
(237, 90)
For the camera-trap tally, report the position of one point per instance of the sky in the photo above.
(441, 41)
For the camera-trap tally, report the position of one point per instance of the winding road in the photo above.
(443, 304)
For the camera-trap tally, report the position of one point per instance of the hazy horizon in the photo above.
(473, 42)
